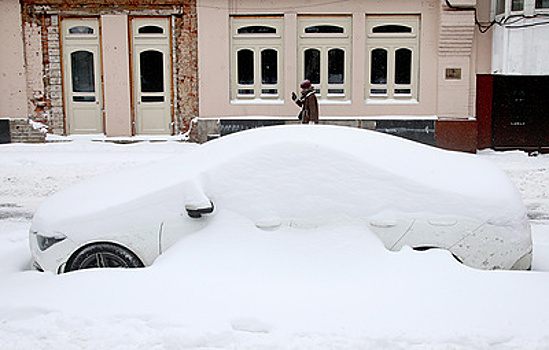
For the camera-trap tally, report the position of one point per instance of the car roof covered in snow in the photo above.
(306, 170)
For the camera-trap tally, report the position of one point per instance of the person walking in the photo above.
(307, 102)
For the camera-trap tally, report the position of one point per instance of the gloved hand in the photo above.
(294, 96)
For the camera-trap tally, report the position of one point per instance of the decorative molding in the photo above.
(457, 31)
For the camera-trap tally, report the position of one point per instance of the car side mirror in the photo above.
(196, 211)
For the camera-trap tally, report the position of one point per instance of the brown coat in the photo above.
(309, 104)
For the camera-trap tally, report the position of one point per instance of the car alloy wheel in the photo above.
(103, 255)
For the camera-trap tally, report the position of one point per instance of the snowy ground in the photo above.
(235, 290)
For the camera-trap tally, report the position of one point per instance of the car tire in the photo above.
(102, 255)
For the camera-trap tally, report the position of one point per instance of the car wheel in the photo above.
(102, 255)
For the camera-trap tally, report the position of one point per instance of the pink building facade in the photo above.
(207, 68)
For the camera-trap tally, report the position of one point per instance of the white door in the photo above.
(152, 75)
(82, 76)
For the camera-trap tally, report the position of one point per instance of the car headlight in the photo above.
(45, 242)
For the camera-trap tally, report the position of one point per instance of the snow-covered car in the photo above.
(301, 177)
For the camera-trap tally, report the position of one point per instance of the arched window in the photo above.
(82, 71)
(150, 30)
(256, 30)
(256, 61)
(312, 65)
(152, 71)
(391, 29)
(393, 65)
(324, 54)
(336, 66)
(269, 66)
(403, 66)
(81, 30)
(245, 67)
(378, 69)
(324, 29)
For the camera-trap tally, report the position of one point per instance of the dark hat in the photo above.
(305, 84)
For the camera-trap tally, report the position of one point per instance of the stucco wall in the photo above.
(483, 41)
(116, 74)
(12, 72)
(436, 96)
(455, 53)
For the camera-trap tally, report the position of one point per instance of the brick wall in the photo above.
(186, 67)
(43, 66)
(22, 131)
(43, 52)
(34, 67)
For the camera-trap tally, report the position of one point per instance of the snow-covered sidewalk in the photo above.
(229, 289)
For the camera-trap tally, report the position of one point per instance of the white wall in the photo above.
(521, 51)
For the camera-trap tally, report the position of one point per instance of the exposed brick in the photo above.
(42, 50)
(22, 131)
(53, 51)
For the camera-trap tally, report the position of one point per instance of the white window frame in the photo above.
(546, 9)
(324, 42)
(257, 43)
(392, 42)
(529, 10)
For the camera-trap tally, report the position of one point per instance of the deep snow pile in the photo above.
(348, 166)
(530, 175)
(329, 167)
(29, 173)
(291, 289)
(335, 287)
